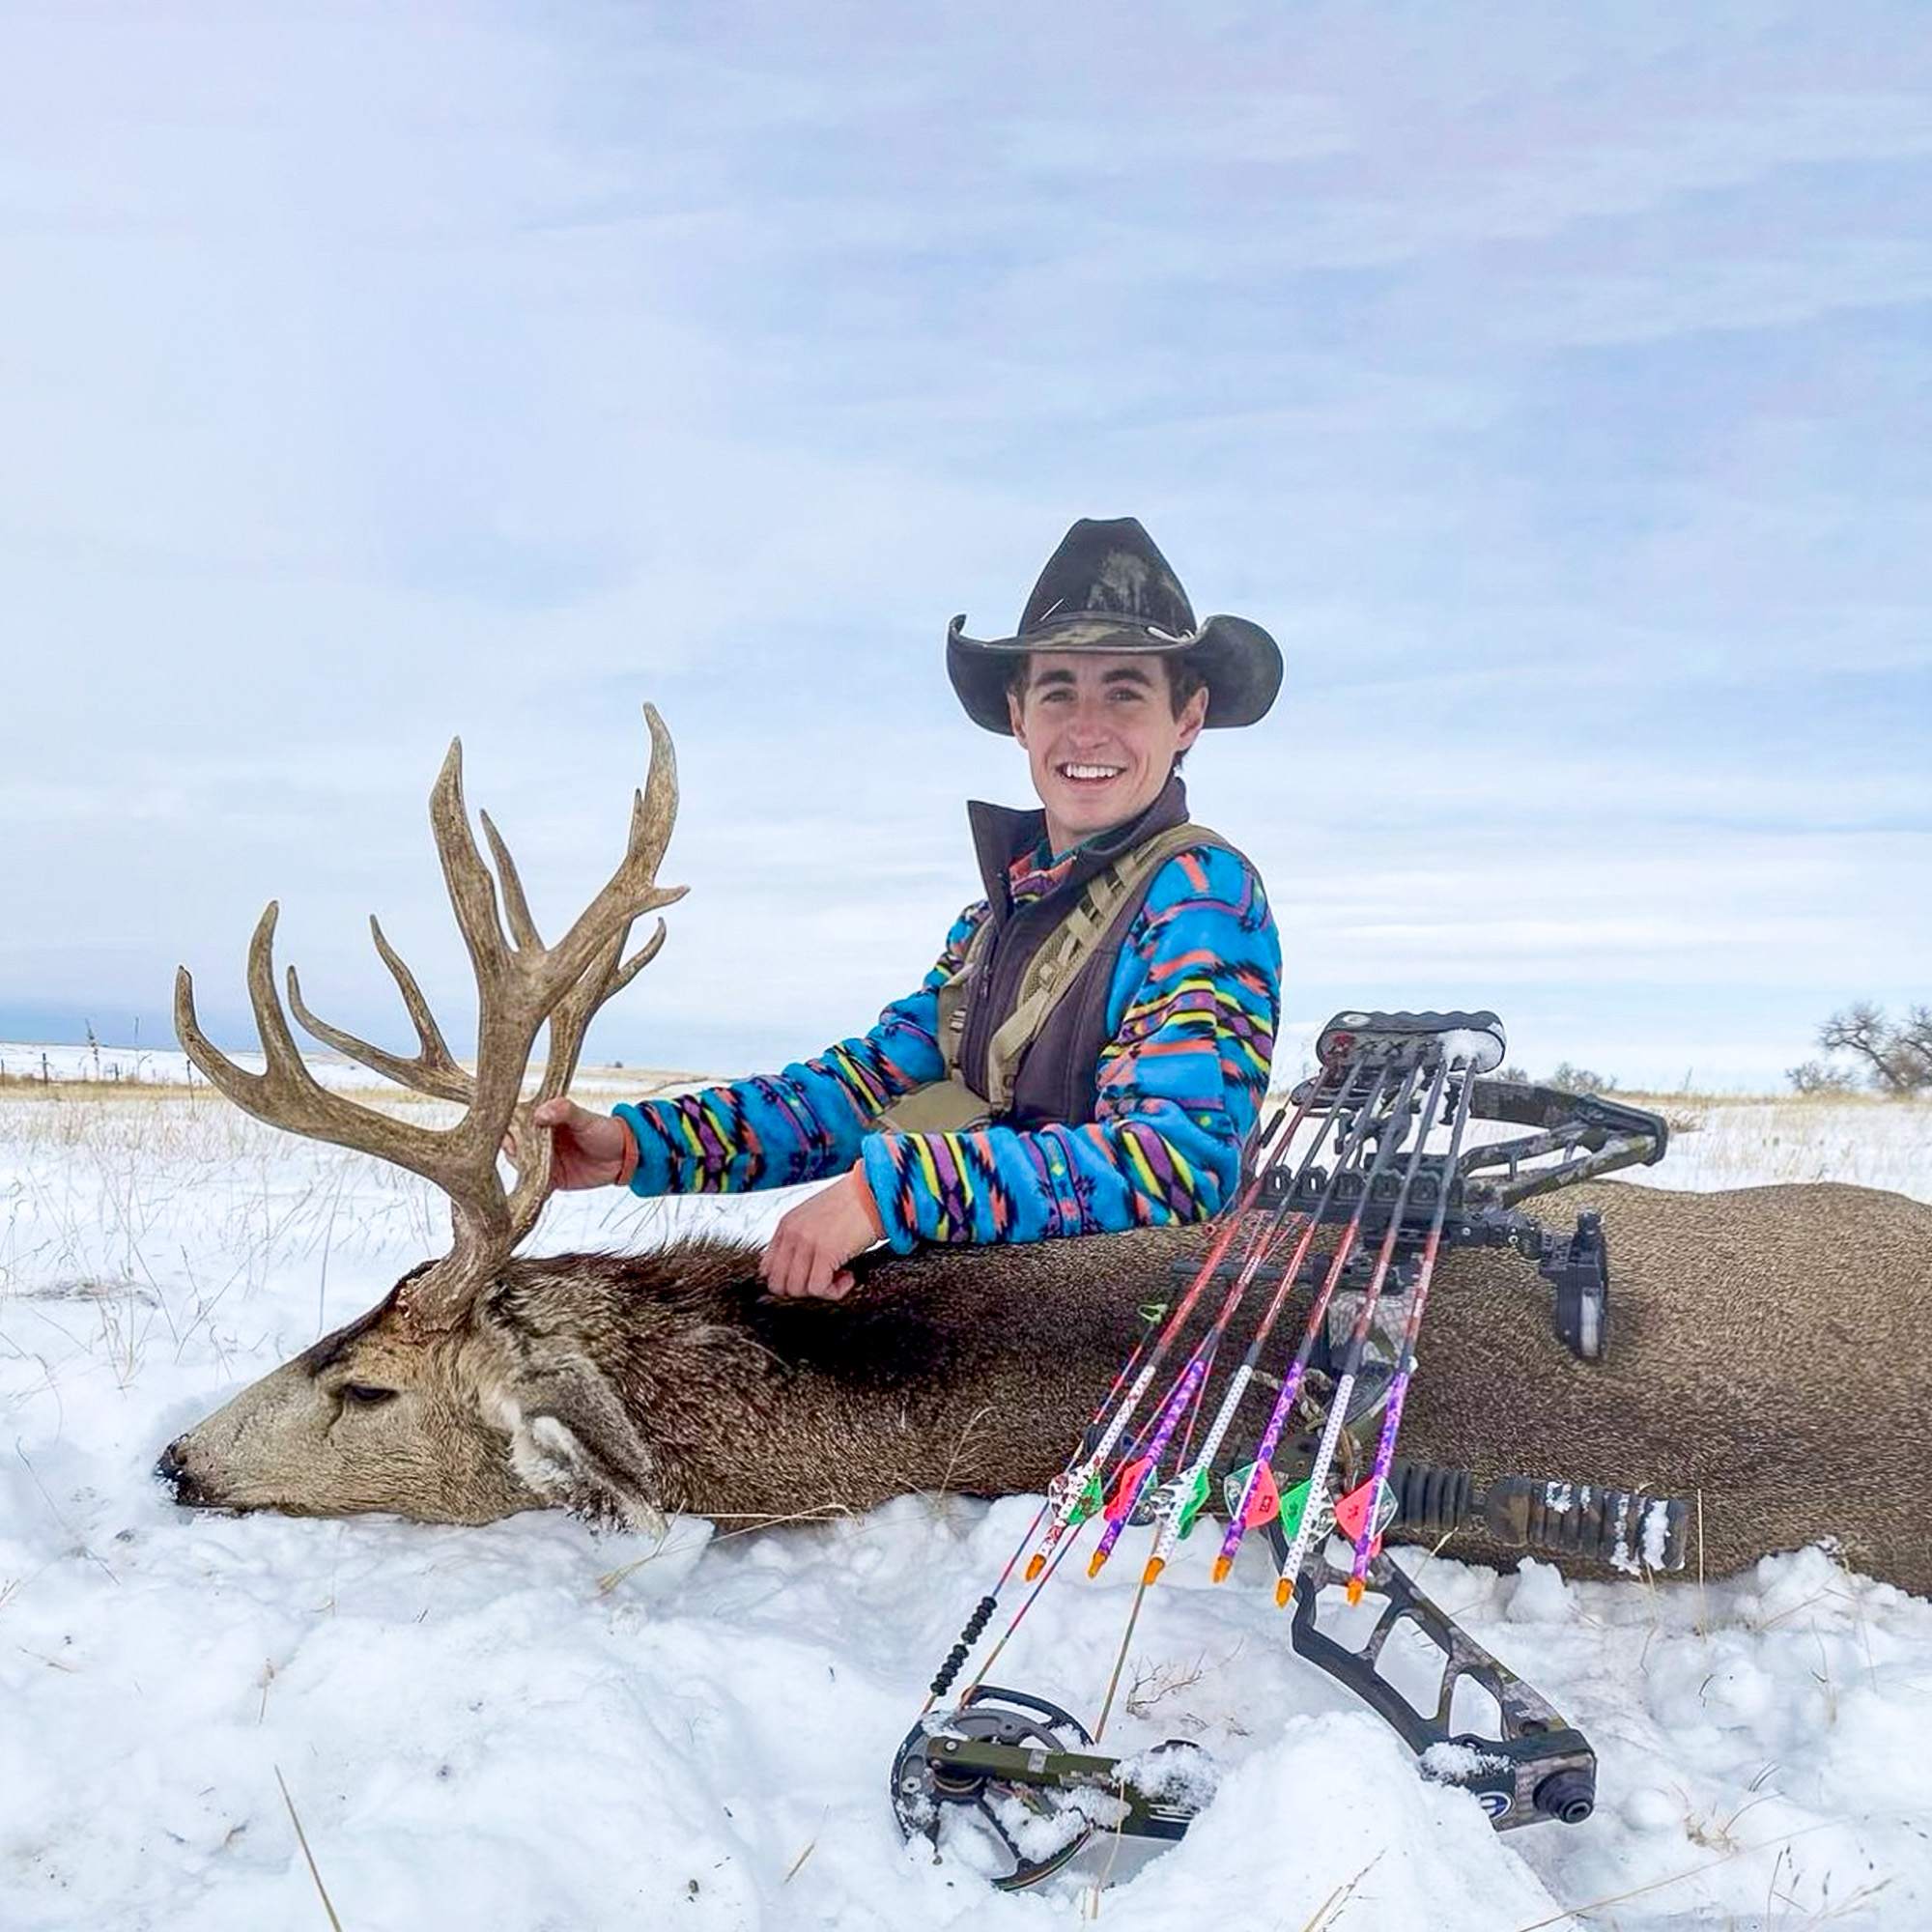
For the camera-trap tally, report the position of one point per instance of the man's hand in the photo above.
(811, 1244)
(587, 1149)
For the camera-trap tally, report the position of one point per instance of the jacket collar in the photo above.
(1001, 835)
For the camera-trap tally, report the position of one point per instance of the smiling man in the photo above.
(1091, 1050)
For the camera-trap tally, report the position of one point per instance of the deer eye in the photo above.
(365, 1395)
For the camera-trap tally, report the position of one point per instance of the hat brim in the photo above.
(1237, 659)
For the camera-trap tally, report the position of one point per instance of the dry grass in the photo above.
(22, 1080)
(32, 1087)
(139, 1216)
(1865, 1140)
(144, 1213)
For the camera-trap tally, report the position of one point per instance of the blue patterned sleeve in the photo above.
(1192, 1009)
(805, 1123)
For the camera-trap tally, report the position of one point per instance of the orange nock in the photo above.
(1155, 1565)
(1222, 1565)
(1100, 1559)
(1354, 1590)
(1283, 1591)
(1036, 1563)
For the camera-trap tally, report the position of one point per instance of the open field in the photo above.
(531, 1726)
(1725, 1141)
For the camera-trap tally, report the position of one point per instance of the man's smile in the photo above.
(1090, 772)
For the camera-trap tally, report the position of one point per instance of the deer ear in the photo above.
(572, 1443)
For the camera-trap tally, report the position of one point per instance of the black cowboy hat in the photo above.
(1107, 588)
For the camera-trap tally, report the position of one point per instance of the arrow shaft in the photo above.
(1397, 1396)
(1086, 1469)
(1344, 1248)
(1352, 1362)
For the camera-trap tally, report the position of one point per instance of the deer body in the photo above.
(1767, 1354)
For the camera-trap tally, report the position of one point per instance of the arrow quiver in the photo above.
(1397, 1149)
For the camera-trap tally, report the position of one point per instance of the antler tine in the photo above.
(569, 1021)
(636, 962)
(472, 892)
(523, 927)
(247, 1090)
(433, 1069)
(435, 1053)
(632, 889)
(654, 809)
(568, 1024)
(287, 1094)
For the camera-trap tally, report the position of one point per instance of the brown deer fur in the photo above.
(1768, 1351)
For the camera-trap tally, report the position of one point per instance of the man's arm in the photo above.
(1192, 1009)
(798, 1125)
(803, 1124)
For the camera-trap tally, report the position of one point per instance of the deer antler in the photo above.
(522, 986)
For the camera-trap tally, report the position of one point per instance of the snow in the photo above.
(1457, 1761)
(1479, 1048)
(1724, 1141)
(531, 1726)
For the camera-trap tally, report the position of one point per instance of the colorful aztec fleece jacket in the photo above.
(1191, 1011)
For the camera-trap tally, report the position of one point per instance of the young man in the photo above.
(1090, 1051)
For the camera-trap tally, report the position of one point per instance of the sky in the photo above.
(1553, 383)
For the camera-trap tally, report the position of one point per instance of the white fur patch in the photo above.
(548, 1457)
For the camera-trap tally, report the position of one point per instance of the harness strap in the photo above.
(949, 1105)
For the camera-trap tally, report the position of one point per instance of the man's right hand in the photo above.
(587, 1149)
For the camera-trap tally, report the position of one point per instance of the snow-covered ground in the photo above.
(531, 1726)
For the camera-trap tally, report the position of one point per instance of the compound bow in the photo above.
(1374, 1150)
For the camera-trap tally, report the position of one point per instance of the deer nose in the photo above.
(175, 1472)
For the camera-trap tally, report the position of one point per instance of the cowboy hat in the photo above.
(1107, 588)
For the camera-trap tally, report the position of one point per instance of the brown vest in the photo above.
(1055, 1079)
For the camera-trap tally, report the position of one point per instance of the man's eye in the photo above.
(365, 1395)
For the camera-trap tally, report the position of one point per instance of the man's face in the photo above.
(1100, 737)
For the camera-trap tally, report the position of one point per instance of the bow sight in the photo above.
(1357, 1184)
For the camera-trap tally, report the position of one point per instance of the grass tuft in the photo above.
(301, 1838)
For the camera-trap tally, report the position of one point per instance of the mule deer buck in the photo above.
(1771, 1351)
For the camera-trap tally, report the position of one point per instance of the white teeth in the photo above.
(1091, 771)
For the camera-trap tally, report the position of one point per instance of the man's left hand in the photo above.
(810, 1245)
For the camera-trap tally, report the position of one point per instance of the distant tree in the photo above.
(1816, 1077)
(1568, 1079)
(1894, 1055)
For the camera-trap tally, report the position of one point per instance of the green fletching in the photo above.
(1294, 1507)
(1196, 1486)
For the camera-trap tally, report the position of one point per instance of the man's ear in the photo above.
(572, 1443)
(1193, 719)
(1013, 716)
